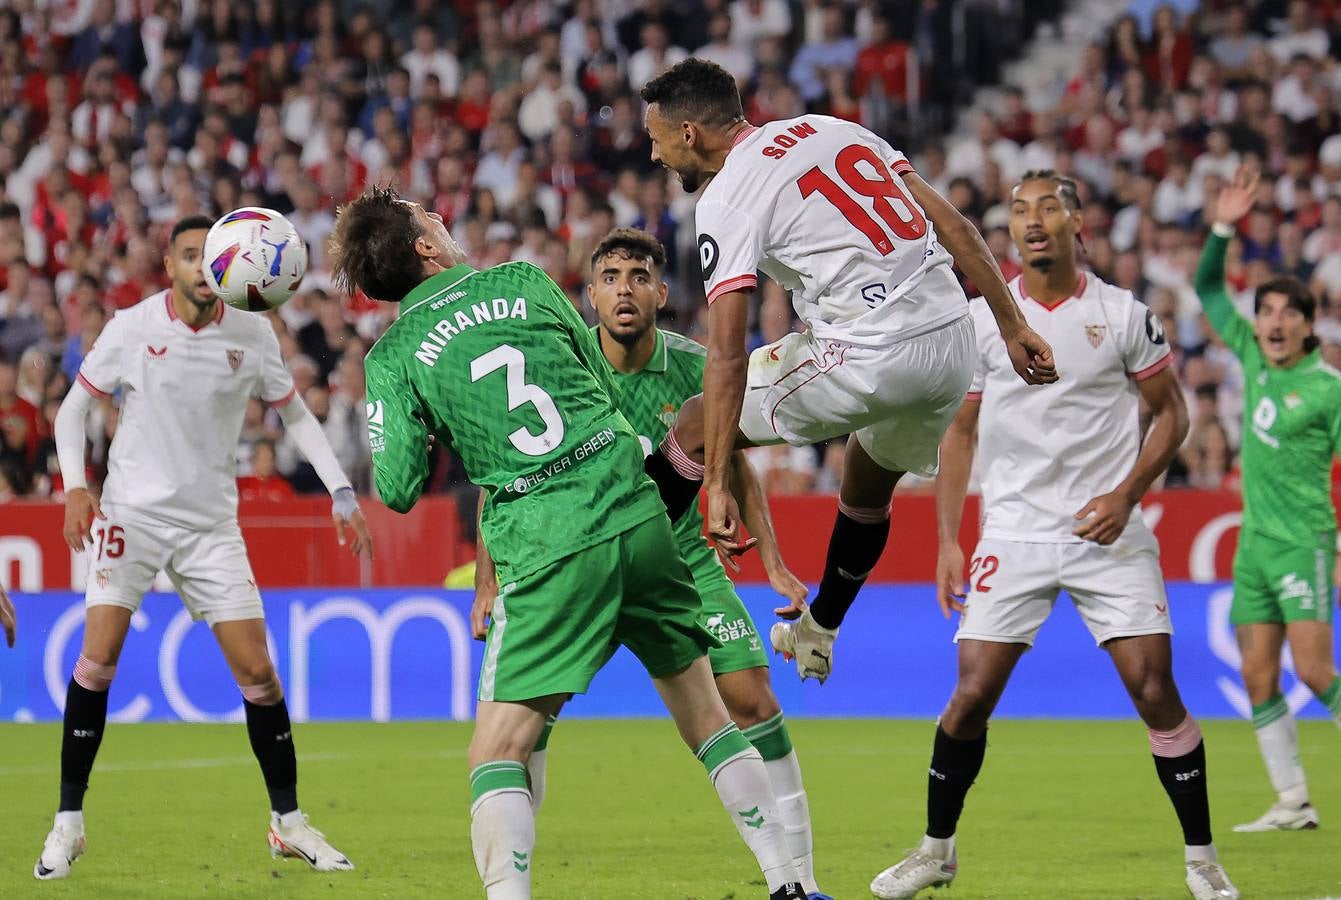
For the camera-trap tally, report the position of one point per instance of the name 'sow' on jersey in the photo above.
(818, 205)
(1045, 451)
(184, 396)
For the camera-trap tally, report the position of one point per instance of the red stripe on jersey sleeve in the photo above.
(740, 282)
(284, 401)
(93, 388)
(903, 167)
(973, 395)
(1154, 369)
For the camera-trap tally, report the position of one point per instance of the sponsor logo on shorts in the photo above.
(1292, 587)
(727, 631)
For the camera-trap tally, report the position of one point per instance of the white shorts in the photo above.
(209, 569)
(898, 400)
(1118, 590)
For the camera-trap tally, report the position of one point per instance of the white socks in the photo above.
(794, 810)
(938, 848)
(742, 784)
(535, 771)
(1278, 739)
(502, 829)
(71, 817)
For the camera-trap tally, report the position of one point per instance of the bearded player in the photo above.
(186, 366)
(835, 215)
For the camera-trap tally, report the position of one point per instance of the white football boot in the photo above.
(64, 844)
(1281, 817)
(808, 642)
(302, 841)
(916, 871)
(1207, 880)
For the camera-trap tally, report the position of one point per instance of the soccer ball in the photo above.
(254, 259)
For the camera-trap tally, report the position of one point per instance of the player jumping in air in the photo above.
(499, 367)
(1063, 470)
(186, 365)
(655, 372)
(838, 217)
(1284, 570)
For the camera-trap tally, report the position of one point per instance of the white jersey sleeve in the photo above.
(730, 247)
(103, 368)
(276, 383)
(1145, 347)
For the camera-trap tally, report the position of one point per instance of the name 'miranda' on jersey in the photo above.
(459, 320)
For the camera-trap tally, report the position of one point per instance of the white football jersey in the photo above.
(1044, 451)
(818, 205)
(185, 393)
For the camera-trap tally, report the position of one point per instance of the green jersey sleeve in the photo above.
(397, 435)
(1234, 329)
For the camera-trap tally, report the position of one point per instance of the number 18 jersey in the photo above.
(818, 205)
(501, 368)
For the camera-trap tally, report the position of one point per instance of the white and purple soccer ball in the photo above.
(254, 259)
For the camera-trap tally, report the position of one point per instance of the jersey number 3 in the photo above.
(509, 358)
(906, 223)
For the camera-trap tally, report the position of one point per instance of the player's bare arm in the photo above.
(9, 619)
(1029, 353)
(749, 494)
(81, 507)
(957, 448)
(486, 580)
(1104, 518)
(723, 394)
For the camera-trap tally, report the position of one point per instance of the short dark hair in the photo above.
(190, 223)
(1065, 184)
(1297, 296)
(696, 90)
(630, 243)
(372, 246)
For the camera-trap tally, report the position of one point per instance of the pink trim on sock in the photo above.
(679, 460)
(93, 676)
(866, 515)
(255, 693)
(1178, 742)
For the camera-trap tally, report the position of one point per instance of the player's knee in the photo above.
(969, 709)
(1261, 679)
(260, 685)
(1155, 695)
(488, 746)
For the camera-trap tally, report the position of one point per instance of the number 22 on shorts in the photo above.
(981, 569)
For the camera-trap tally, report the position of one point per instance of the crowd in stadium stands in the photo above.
(519, 122)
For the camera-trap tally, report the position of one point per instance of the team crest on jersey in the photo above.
(234, 359)
(1096, 334)
(667, 416)
(1292, 400)
(102, 576)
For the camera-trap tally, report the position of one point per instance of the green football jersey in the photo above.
(500, 367)
(1291, 423)
(650, 400)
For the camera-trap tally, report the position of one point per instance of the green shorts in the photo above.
(1278, 582)
(553, 629)
(726, 619)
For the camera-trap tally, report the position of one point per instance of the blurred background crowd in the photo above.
(520, 123)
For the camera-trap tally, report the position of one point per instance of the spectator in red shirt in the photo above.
(264, 482)
(16, 412)
(884, 64)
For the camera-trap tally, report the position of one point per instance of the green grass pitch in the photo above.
(1061, 810)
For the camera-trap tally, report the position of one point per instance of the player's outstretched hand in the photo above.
(724, 523)
(1032, 357)
(1103, 518)
(9, 619)
(950, 578)
(1236, 198)
(81, 508)
(347, 516)
(794, 589)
